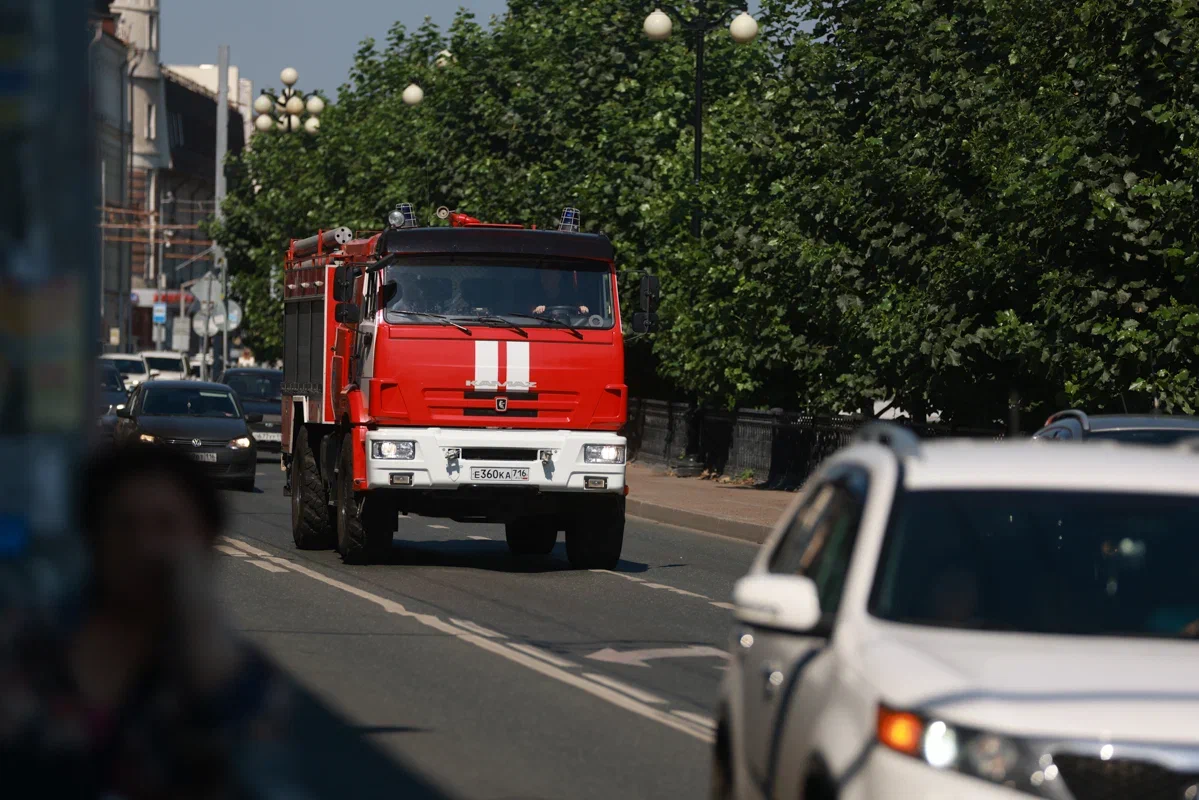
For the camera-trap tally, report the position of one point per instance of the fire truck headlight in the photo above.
(394, 451)
(603, 454)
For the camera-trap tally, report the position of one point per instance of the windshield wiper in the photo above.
(492, 318)
(442, 318)
(550, 320)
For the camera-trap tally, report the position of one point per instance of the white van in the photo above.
(169, 365)
(134, 369)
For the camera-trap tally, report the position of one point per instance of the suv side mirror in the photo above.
(343, 284)
(124, 412)
(644, 322)
(785, 602)
(253, 417)
(348, 313)
(651, 293)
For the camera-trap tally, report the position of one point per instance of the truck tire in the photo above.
(365, 521)
(595, 537)
(531, 537)
(311, 522)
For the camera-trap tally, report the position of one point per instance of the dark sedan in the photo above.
(110, 393)
(260, 391)
(205, 421)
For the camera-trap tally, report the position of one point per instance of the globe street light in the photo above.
(286, 111)
(708, 17)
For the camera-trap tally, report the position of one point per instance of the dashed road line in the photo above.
(480, 538)
(621, 686)
(666, 588)
(673, 590)
(466, 624)
(268, 566)
(230, 551)
(632, 578)
(503, 648)
(725, 606)
(698, 719)
(439, 527)
(537, 652)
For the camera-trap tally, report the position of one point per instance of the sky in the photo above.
(317, 37)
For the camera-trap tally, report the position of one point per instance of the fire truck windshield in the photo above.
(577, 294)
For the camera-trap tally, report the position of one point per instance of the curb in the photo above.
(720, 526)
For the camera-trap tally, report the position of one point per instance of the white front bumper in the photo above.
(565, 472)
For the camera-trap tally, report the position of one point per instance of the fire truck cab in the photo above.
(472, 372)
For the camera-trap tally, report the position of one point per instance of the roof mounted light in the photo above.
(570, 221)
(402, 217)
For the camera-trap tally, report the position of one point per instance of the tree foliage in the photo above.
(921, 201)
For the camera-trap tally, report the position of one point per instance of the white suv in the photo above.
(951, 620)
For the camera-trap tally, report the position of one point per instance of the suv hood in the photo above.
(1038, 685)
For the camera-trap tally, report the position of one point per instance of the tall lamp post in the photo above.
(285, 112)
(708, 17)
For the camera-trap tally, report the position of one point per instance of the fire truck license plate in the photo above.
(498, 475)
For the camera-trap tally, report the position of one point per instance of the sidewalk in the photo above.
(740, 512)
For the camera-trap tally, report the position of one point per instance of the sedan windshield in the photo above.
(256, 385)
(575, 293)
(1147, 435)
(1043, 562)
(110, 380)
(167, 364)
(169, 402)
(130, 366)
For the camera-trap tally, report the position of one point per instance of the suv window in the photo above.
(819, 543)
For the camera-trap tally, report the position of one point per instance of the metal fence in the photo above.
(779, 449)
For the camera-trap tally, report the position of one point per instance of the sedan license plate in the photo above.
(206, 457)
(494, 475)
(268, 437)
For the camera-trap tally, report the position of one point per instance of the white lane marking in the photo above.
(549, 670)
(537, 652)
(518, 367)
(725, 606)
(698, 719)
(672, 589)
(439, 527)
(229, 551)
(637, 658)
(487, 365)
(480, 538)
(466, 624)
(620, 575)
(621, 686)
(268, 566)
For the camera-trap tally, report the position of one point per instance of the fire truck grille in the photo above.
(497, 454)
(491, 412)
(1116, 779)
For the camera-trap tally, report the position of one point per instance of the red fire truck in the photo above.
(467, 371)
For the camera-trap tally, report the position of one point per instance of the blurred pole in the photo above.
(1013, 414)
(222, 148)
(48, 315)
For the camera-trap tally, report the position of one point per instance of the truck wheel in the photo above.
(365, 521)
(594, 539)
(531, 537)
(311, 523)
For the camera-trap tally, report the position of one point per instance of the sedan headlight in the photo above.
(988, 756)
(146, 438)
(241, 444)
(394, 451)
(603, 454)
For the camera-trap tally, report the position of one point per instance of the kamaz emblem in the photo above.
(501, 404)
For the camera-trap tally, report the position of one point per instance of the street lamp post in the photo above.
(284, 113)
(708, 17)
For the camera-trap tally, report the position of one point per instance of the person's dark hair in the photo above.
(105, 471)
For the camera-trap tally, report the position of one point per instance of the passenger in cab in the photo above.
(556, 295)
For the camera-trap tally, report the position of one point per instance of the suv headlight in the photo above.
(603, 454)
(146, 438)
(393, 451)
(241, 444)
(990, 757)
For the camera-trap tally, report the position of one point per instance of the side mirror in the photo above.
(253, 418)
(343, 284)
(154, 374)
(644, 322)
(124, 412)
(651, 293)
(390, 293)
(785, 602)
(348, 313)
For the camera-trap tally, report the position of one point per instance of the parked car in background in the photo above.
(260, 391)
(203, 420)
(1160, 429)
(111, 394)
(133, 368)
(967, 619)
(170, 366)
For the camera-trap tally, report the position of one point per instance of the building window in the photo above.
(154, 32)
(151, 121)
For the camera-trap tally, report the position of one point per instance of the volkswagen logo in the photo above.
(1191, 792)
(501, 404)
(196, 443)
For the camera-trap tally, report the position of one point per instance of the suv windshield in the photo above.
(576, 293)
(162, 402)
(1146, 435)
(256, 385)
(130, 366)
(1043, 562)
(167, 364)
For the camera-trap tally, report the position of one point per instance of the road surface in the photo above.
(480, 675)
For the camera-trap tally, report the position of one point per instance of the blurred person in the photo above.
(147, 693)
(555, 295)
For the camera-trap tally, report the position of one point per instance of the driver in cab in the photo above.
(558, 296)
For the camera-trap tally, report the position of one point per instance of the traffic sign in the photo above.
(234, 311)
(160, 313)
(205, 325)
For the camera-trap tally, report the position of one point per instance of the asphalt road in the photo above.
(474, 674)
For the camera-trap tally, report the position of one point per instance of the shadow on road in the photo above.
(487, 555)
